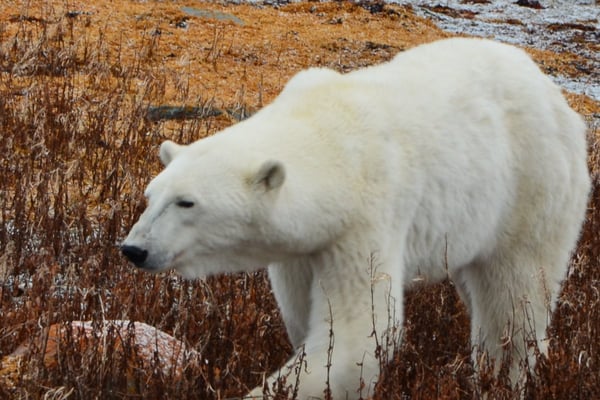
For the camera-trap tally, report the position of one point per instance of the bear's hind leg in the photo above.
(511, 300)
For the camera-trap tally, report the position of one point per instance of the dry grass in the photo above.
(78, 149)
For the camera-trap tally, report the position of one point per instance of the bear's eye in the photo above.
(184, 203)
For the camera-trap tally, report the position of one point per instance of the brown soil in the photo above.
(222, 59)
(208, 58)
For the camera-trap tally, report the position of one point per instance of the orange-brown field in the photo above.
(85, 91)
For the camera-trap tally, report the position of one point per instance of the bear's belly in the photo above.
(452, 239)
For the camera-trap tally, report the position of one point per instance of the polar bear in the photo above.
(456, 159)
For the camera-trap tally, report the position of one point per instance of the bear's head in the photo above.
(274, 187)
(207, 213)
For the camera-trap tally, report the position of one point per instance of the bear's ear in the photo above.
(168, 151)
(270, 175)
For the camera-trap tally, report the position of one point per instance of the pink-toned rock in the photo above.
(144, 346)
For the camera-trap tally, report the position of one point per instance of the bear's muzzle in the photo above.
(135, 254)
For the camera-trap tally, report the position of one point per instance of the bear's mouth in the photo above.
(176, 261)
(155, 265)
(188, 270)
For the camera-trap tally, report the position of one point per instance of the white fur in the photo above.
(456, 158)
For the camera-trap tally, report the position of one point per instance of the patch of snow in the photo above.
(560, 26)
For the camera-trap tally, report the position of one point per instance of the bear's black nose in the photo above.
(134, 254)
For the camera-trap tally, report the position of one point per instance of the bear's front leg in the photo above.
(310, 376)
(348, 328)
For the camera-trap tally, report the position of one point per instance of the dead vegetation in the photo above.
(78, 84)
